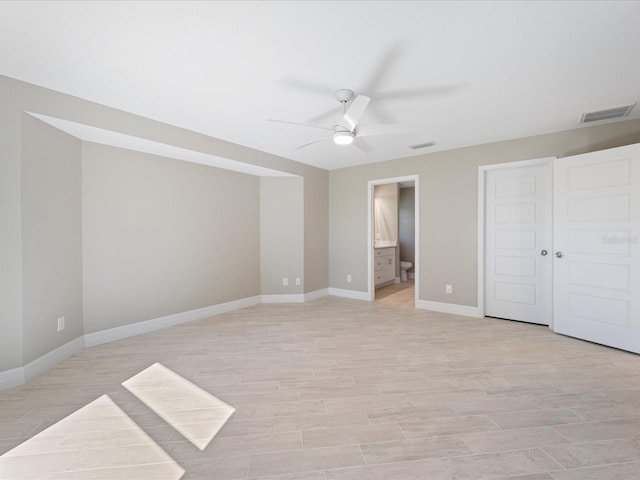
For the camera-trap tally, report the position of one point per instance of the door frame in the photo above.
(371, 289)
(482, 175)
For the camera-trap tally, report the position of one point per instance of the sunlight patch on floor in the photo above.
(189, 409)
(99, 441)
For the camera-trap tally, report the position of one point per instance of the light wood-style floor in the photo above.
(332, 389)
(401, 295)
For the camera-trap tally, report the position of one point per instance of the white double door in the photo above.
(589, 282)
(518, 243)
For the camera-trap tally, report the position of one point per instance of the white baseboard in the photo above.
(339, 292)
(11, 378)
(451, 308)
(19, 376)
(52, 358)
(411, 275)
(323, 292)
(295, 297)
(283, 298)
(146, 326)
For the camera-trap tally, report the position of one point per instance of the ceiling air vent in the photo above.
(422, 145)
(607, 114)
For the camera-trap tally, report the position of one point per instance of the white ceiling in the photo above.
(466, 72)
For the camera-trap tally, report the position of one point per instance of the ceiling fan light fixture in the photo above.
(343, 138)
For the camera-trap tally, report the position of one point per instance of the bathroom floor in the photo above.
(397, 294)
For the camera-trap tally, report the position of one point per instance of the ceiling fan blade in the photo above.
(315, 141)
(415, 92)
(382, 69)
(328, 115)
(355, 111)
(386, 129)
(361, 144)
(299, 124)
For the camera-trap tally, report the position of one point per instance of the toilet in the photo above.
(404, 266)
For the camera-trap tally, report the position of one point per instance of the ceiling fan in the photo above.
(345, 130)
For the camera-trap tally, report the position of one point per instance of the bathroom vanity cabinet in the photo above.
(385, 265)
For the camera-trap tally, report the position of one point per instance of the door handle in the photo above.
(559, 254)
(543, 253)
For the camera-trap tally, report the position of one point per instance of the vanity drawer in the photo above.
(385, 251)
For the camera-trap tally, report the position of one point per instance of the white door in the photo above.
(596, 250)
(518, 243)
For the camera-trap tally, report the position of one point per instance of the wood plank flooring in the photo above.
(332, 389)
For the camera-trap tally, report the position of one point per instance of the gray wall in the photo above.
(51, 237)
(10, 226)
(448, 206)
(316, 230)
(17, 97)
(406, 225)
(281, 234)
(163, 236)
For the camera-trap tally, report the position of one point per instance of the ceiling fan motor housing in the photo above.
(344, 95)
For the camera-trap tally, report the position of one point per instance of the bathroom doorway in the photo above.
(392, 240)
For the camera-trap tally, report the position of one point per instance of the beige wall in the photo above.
(448, 206)
(17, 97)
(316, 230)
(10, 227)
(281, 234)
(163, 236)
(51, 237)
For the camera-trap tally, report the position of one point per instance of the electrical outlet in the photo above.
(297, 281)
(448, 288)
(285, 282)
(349, 278)
(60, 324)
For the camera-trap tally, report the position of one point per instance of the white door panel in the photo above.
(596, 227)
(517, 229)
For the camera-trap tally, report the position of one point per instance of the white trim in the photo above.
(371, 289)
(283, 298)
(450, 308)
(323, 292)
(20, 375)
(295, 297)
(340, 292)
(11, 378)
(482, 173)
(52, 358)
(146, 326)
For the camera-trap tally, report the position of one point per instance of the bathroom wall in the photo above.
(281, 234)
(406, 225)
(385, 202)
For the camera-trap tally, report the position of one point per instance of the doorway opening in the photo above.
(393, 240)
